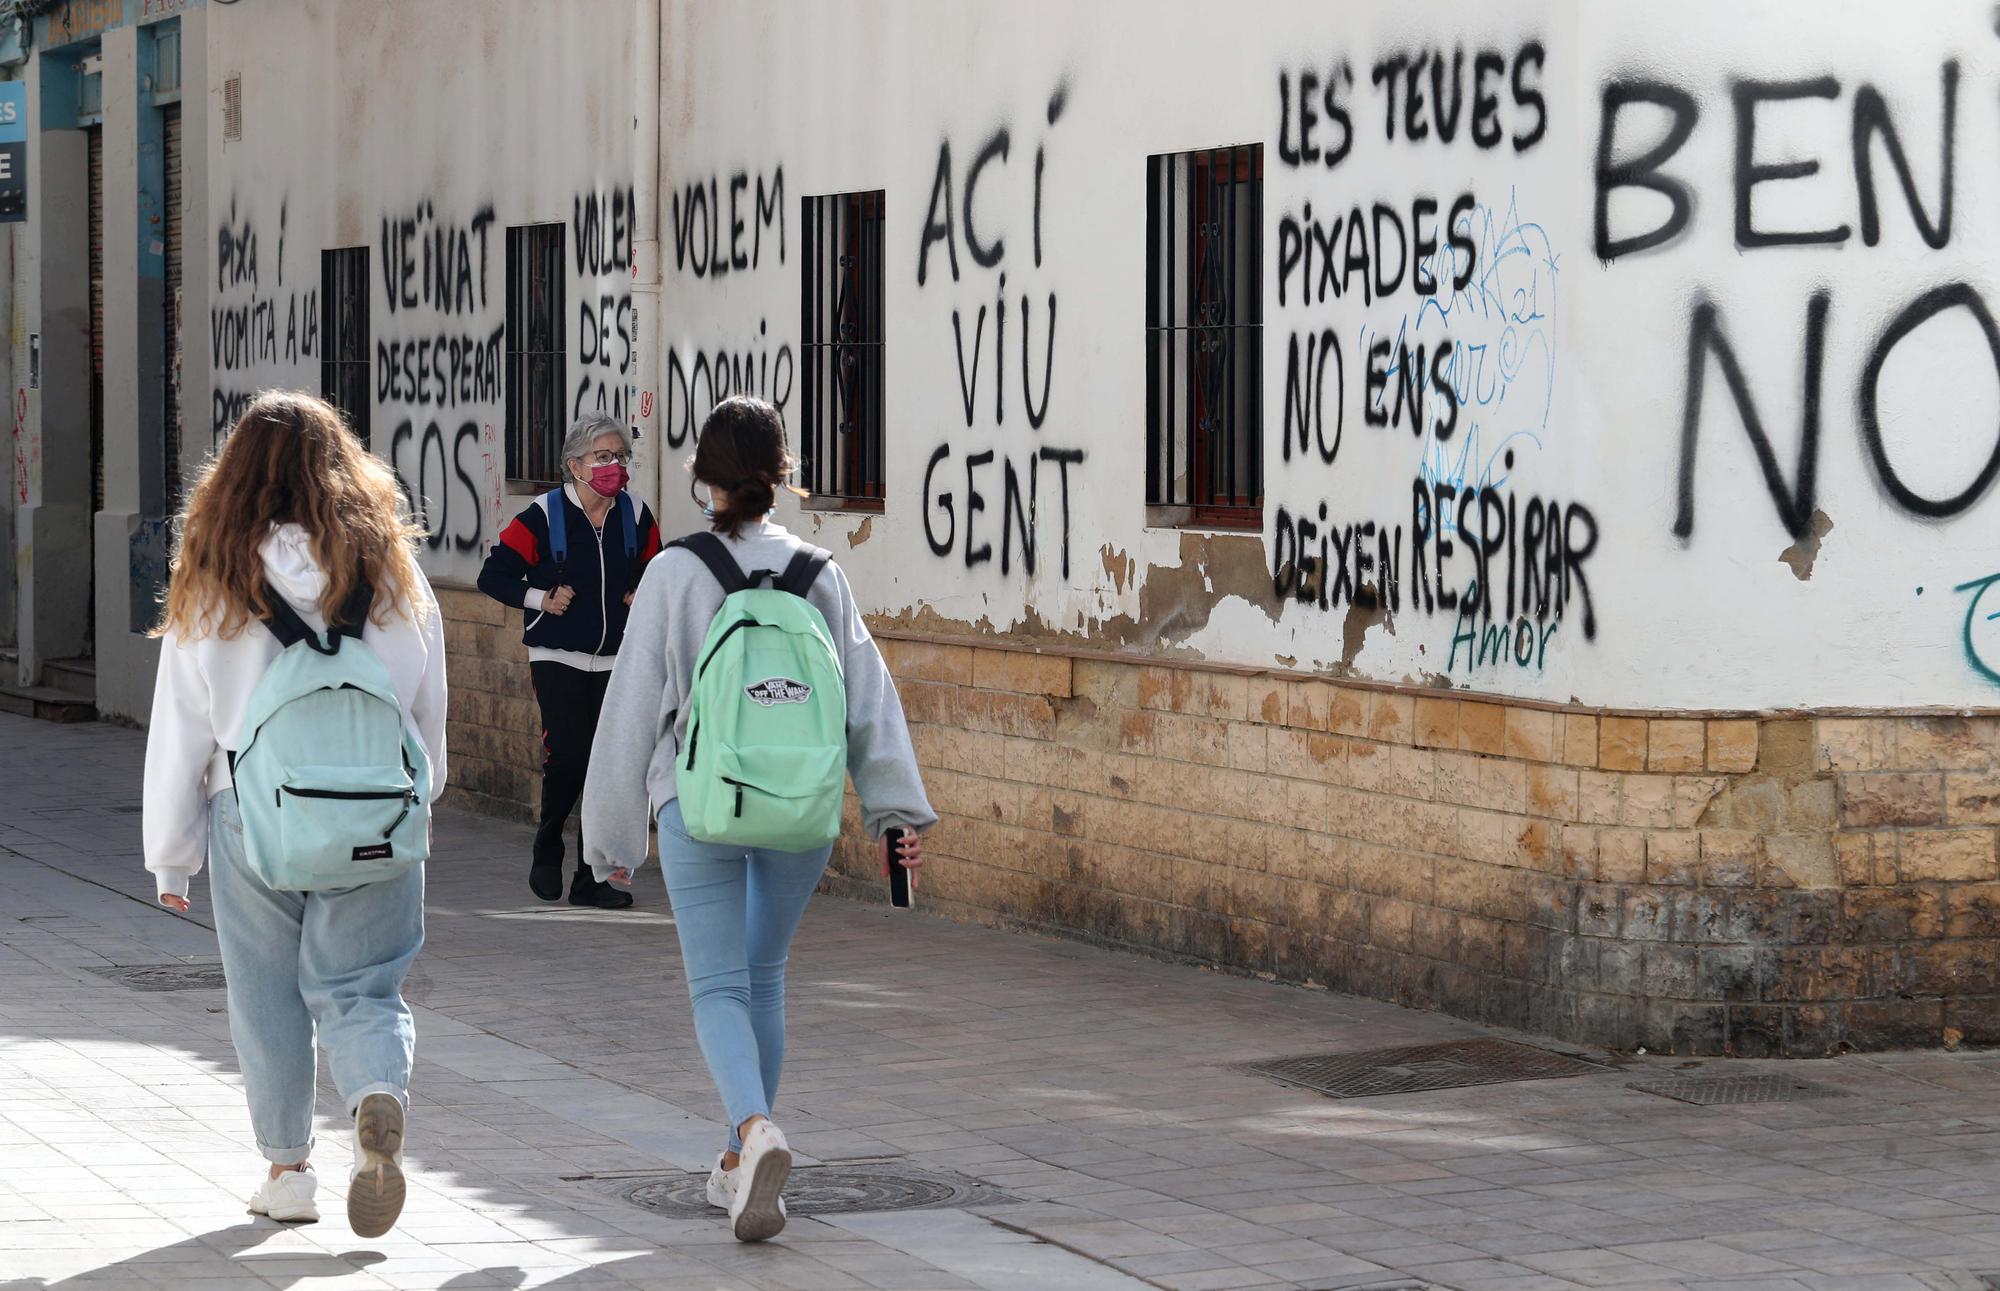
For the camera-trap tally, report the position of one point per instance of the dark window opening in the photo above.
(537, 353)
(840, 438)
(343, 367)
(1205, 335)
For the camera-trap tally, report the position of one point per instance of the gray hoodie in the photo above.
(632, 757)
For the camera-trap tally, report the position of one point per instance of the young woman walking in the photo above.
(295, 506)
(736, 908)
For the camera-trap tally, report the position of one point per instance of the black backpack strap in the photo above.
(286, 625)
(354, 613)
(720, 563)
(803, 572)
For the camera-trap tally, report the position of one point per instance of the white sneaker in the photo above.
(757, 1211)
(375, 1184)
(722, 1184)
(288, 1198)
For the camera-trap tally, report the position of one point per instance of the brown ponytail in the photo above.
(742, 458)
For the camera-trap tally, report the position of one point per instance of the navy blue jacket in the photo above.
(596, 569)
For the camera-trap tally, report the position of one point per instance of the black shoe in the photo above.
(546, 880)
(586, 890)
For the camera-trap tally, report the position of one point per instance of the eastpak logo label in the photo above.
(779, 690)
(377, 852)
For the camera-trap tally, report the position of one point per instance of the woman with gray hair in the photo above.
(570, 563)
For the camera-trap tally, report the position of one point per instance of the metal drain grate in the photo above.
(824, 1190)
(1722, 1091)
(1416, 1068)
(165, 977)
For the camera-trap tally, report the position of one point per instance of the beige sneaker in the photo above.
(288, 1198)
(757, 1211)
(375, 1184)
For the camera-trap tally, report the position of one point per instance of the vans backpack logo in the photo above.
(779, 690)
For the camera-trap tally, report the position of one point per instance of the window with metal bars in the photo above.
(840, 436)
(343, 365)
(1205, 337)
(537, 353)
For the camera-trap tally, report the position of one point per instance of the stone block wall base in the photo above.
(1755, 885)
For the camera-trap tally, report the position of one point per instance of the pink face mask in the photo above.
(606, 481)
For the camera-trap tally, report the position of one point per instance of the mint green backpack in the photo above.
(765, 760)
(333, 787)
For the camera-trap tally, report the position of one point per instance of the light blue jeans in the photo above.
(736, 911)
(301, 964)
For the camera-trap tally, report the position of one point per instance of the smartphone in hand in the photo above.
(899, 877)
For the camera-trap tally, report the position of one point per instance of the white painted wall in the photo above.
(392, 126)
(1579, 367)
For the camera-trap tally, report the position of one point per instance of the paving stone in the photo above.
(1105, 1092)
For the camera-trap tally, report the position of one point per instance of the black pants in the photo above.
(571, 700)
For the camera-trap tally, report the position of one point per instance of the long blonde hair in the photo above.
(291, 459)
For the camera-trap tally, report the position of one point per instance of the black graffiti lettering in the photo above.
(739, 183)
(441, 371)
(768, 213)
(1064, 458)
(602, 227)
(1957, 295)
(1037, 415)
(428, 263)
(229, 407)
(1447, 121)
(1750, 172)
(975, 502)
(1441, 511)
(1415, 127)
(1420, 531)
(235, 252)
(939, 547)
(1305, 396)
(996, 147)
(1576, 516)
(1529, 96)
(434, 513)
(1373, 409)
(1423, 280)
(1458, 232)
(1441, 382)
(1386, 75)
(696, 384)
(1016, 509)
(1385, 286)
(935, 229)
(702, 244)
(1644, 170)
(1307, 150)
(1291, 251)
(1486, 65)
(1705, 339)
(1284, 556)
(968, 389)
(1871, 119)
(468, 432)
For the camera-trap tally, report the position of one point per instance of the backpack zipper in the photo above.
(739, 793)
(409, 797)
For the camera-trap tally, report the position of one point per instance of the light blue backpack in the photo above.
(333, 787)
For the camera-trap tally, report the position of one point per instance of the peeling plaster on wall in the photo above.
(1801, 554)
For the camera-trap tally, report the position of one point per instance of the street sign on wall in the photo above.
(13, 151)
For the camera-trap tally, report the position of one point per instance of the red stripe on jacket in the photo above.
(521, 541)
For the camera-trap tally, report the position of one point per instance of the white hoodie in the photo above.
(204, 685)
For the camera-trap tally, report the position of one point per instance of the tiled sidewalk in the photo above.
(1102, 1094)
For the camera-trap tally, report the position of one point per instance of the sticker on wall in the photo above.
(13, 152)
